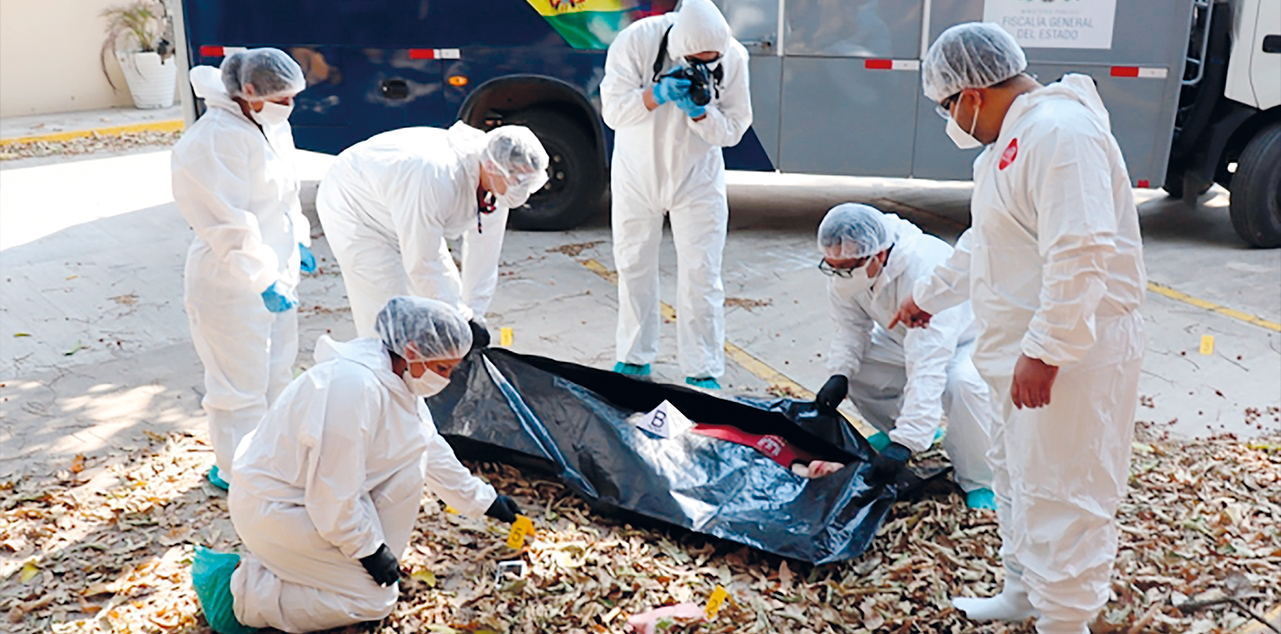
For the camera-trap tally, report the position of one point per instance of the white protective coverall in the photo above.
(335, 470)
(388, 204)
(665, 162)
(1053, 266)
(235, 184)
(903, 380)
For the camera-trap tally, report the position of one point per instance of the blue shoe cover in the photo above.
(981, 499)
(706, 382)
(938, 435)
(211, 577)
(631, 369)
(879, 441)
(215, 478)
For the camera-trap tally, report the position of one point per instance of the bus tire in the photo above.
(1255, 205)
(575, 179)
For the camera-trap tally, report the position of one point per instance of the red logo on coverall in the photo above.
(1010, 153)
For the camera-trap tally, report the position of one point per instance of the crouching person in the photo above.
(328, 485)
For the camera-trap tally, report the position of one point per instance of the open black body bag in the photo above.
(572, 421)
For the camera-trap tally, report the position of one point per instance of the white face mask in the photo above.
(514, 197)
(272, 113)
(962, 139)
(858, 281)
(429, 384)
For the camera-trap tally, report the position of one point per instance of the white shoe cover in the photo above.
(1007, 606)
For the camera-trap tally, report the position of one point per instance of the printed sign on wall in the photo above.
(1054, 23)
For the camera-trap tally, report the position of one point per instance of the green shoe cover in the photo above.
(981, 499)
(211, 577)
(705, 382)
(215, 478)
(631, 369)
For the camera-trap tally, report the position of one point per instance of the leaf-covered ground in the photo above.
(106, 547)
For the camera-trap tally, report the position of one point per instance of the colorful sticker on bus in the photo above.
(593, 24)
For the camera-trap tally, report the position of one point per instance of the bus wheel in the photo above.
(1256, 190)
(575, 176)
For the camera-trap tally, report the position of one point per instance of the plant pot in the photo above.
(151, 81)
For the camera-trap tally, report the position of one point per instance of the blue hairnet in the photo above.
(851, 230)
(517, 154)
(271, 71)
(970, 55)
(436, 329)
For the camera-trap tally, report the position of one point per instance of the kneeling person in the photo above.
(902, 380)
(328, 485)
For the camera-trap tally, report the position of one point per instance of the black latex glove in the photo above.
(382, 566)
(479, 335)
(888, 464)
(832, 393)
(503, 509)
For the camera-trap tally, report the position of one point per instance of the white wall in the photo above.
(49, 58)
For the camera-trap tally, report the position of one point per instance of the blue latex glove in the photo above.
(278, 299)
(686, 103)
(308, 260)
(670, 89)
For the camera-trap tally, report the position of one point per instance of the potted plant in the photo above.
(140, 34)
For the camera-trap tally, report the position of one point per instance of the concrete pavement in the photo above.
(94, 348)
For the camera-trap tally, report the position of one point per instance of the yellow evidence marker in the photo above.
(505, 337)
(523, 527)
(715, 602)
(1207, 344)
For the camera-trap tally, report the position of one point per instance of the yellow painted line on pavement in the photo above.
(1166, 291)
(172, 125)
(761, 370)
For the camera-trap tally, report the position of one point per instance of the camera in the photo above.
(701, 82)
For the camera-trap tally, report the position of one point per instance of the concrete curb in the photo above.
(171, 125)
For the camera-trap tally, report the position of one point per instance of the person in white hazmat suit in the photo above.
(328, 486)
(234, 181)
(389, 202)
(1053, 266)
(667, 160)
(902, 381)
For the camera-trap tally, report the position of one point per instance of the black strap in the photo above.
(662, 54)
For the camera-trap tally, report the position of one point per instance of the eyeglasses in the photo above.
(845, 273)
(944, 108)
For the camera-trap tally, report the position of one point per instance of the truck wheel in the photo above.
(1256, 190)
(575, 178)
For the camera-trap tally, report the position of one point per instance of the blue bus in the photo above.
(835, 84)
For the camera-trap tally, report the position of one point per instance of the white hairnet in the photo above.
(517, 154)
(851, 230)
(699, 28)
(437, 330)
(271, 71)
(970, 55)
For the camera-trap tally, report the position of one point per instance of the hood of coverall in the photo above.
(367, 351)
(699, 27)
(206, 81)
(1073, 86)
(466, 140)
(902, 236)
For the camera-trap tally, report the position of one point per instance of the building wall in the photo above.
(49, 58)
